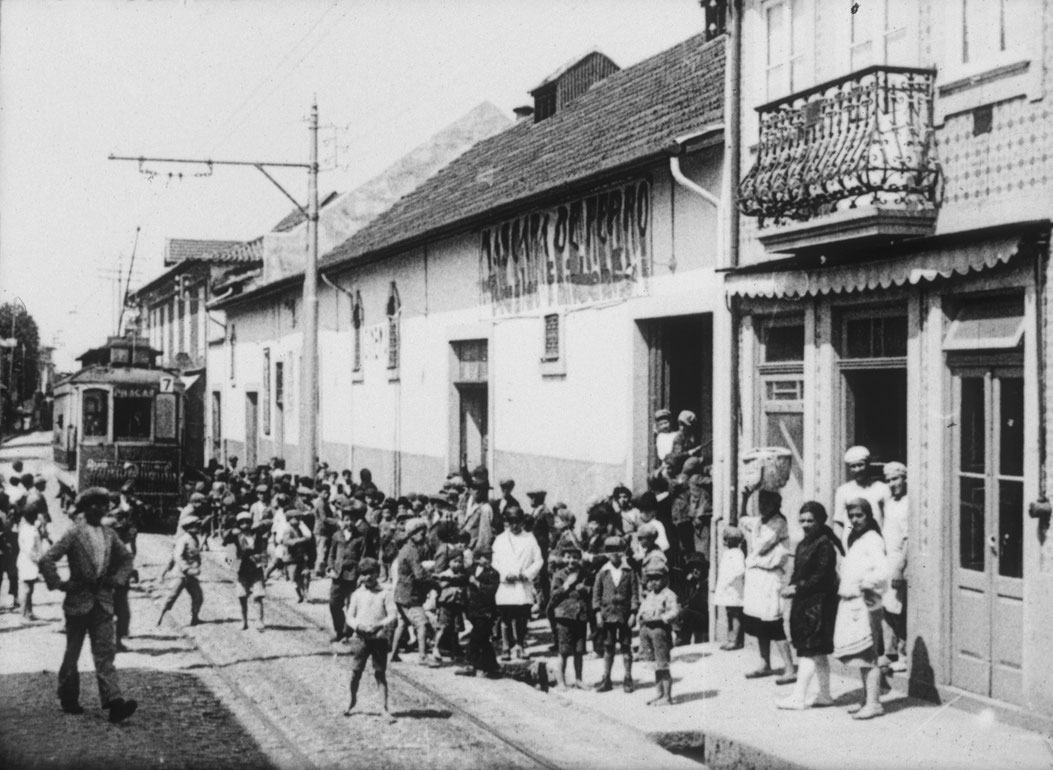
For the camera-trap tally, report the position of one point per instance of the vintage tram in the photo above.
(119, 419)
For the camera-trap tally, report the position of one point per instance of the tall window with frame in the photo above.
(232, 338)
(873, 363)
(394, 313)
(788, 37)
(266, 391)
(781, 372)
(881, 33)
(356, 333)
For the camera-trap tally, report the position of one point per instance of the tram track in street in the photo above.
(330, 731)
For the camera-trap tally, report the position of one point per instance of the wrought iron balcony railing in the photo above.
(862, 140)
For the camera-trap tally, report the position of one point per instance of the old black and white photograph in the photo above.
(471, 384)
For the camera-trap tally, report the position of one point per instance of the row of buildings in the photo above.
(814, 225)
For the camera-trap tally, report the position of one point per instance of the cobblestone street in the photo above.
(213, 695)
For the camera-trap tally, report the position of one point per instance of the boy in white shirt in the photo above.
(370, 615)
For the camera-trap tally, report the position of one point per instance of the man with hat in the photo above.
(411, 589)
(539, 523)
(896, 532)
(615, 600)
(479, 517)
(186, 559)
(98, 562)
(518, 560)
(859, 484)
(326, 523)
(250, 553)
(507, 499)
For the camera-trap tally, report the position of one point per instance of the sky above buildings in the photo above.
(81, 79)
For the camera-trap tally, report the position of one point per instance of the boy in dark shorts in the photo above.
(250, 554)
(371, 615)
(658, 609)
(615, 599)
(570, 609)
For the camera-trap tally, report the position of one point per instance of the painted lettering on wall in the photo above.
(593, 248)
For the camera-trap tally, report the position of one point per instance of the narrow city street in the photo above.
(214, 695)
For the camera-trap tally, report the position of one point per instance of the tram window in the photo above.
(96, 419)
(131, 418)
(165, 416)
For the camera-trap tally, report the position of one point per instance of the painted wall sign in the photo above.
(593, 248)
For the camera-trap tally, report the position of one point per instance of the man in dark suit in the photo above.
(98, 563)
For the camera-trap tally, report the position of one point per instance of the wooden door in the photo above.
(988, 527)
(252, 416)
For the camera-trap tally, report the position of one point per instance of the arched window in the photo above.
(356, 331)
(394, 312)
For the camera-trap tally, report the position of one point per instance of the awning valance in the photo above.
(812, 275)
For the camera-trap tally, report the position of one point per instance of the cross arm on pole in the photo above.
(274, 181)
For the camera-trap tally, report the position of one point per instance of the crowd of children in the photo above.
(463, 571)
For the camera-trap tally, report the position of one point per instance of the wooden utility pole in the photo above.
(309, 376)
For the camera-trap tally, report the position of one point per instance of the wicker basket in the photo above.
(765, 468)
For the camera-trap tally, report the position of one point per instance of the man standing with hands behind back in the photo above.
(98, 562)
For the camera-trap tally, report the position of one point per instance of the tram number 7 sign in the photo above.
(166, 384)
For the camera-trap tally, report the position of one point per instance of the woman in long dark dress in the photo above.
(813, 587)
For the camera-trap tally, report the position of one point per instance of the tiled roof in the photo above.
(630, 116)
(249, 251)
(295, 217)
(181, 249)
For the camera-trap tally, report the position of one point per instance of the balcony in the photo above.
(852, 160)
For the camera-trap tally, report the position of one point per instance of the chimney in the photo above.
(523, 112)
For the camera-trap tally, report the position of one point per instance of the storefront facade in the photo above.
(893, 294)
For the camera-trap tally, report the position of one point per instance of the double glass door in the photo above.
(988, 518)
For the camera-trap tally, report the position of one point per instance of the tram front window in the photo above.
(95, 418)
(131, 418)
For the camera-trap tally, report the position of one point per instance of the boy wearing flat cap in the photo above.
(250, 554)
(615, 600)
(658, 610)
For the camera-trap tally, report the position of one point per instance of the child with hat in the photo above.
(570, 613)
(480, 609)
(615, 600)
(250, 553)
(731, 577)
(658, 609)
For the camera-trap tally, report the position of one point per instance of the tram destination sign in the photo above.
(138, 391)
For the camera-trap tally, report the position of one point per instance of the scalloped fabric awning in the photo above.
(795, 277)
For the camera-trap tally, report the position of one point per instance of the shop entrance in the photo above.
(988, 525)
(876, 413)
(680, 359)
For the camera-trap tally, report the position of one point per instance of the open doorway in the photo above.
(876, 413)
(680, 376)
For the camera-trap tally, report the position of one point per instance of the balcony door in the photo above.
(988, 528)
